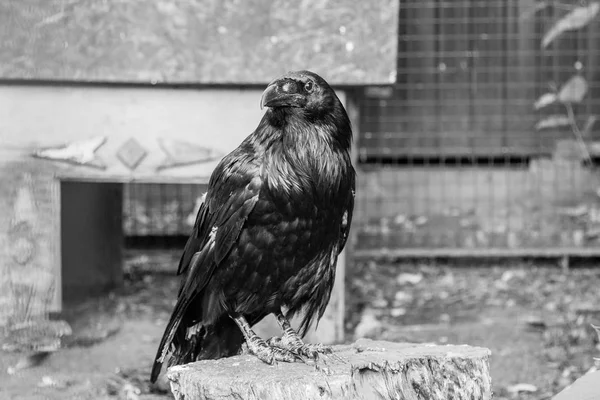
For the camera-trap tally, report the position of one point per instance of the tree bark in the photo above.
(367, 370)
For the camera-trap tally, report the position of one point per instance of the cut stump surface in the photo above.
(368, 370)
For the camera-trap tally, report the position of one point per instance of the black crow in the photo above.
(268, 233)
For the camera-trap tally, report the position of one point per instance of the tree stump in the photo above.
(367, 370)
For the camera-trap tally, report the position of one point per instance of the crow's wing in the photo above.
(233, 191)
(316, 309)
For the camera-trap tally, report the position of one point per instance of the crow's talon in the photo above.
(265, 354)
(284, 355)
(270, 354)
(304, 352)
(314, 350)
(308, 361)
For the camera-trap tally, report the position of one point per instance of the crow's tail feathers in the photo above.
(222, 339)
(173, 330)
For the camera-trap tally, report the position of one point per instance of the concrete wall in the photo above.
(43, 116)
(34, 117)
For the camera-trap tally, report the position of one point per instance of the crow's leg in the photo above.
(292, 342)
(259, 347)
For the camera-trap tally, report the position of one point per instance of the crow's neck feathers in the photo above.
(303, 155)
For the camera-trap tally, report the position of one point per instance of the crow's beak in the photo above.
(282, 93)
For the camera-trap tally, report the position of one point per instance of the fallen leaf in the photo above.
(421, 220)
(130, 392)
(398, 312)
(408, 278)
(48, 381)
(578, 211)
(507, 275)
(522, 388)
(402, 297)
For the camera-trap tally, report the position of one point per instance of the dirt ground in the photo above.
(535, 318)
(114, 341)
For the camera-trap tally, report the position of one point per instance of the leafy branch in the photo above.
(574, 90)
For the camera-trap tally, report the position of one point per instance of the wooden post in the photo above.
(368, 370)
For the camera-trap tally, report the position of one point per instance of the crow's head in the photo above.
(300, 89)
(306, 95)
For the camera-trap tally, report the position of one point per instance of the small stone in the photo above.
(408, 278)
(401, 297)
(398, 312)
(379, 303)
(445, 318)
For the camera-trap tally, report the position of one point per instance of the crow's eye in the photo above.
(309, 86)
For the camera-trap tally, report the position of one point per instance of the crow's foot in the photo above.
(269, 354)
(260, 348)
(293, 344)
(316, 354)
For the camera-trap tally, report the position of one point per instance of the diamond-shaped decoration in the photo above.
(131, 153)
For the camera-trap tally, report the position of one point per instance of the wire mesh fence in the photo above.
(488, 139)
(160, 210)
(487, 142)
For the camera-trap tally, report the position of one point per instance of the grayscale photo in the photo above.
(298, 200)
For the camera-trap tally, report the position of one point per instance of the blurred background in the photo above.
(477, 145)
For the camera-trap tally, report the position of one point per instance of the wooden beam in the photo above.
(501, 252)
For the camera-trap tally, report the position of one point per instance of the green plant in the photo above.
(574, 90)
